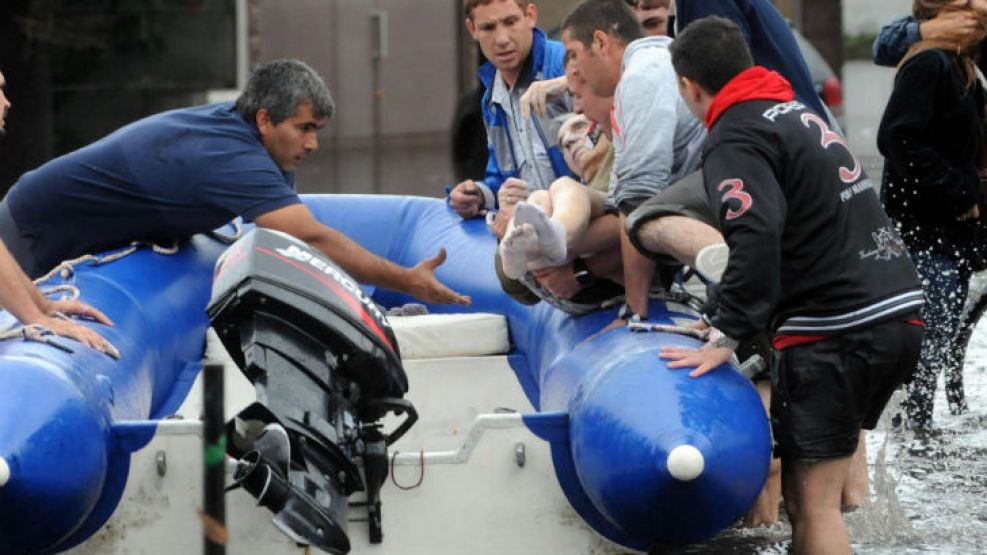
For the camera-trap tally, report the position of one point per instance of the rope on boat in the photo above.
(42, 334)
(65, 270)
(229, 239)
(73, 291)
(34, 332)
(668, 328)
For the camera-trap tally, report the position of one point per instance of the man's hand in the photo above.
(560, 280)
(466, 199)
(955, 25)
(72, 330)
(423, 285)
(76, 308)
(512, 191)
(539, 92)
(703, 359)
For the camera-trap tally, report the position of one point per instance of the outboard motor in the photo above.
(326, 367)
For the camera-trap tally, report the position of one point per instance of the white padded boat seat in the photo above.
(451, 335)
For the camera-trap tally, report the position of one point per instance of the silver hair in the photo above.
(281, 86)
(556, 125)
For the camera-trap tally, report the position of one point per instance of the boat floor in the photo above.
(489, 504)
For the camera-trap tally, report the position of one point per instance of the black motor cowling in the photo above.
(326, 368)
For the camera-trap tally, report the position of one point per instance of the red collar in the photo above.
(756, 83)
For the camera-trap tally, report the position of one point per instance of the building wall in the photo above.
(822, 23)
(868, 16)
(410, 90)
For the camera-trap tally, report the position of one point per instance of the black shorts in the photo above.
(686, 197)
(823, 393)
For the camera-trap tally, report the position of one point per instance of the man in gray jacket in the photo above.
(657, 141)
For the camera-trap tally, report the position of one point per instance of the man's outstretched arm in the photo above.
(366, 267)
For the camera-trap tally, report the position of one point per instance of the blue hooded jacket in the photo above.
(547, 57)
(771, 40)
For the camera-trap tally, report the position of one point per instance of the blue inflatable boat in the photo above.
(645, 455)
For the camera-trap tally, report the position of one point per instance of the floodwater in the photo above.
(928, 494)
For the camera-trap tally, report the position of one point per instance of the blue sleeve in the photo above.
(894, 40)
(492, 181)
(249, 185)
(490, 184)
(687, 12)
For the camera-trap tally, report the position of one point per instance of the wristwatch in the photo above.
(718, 339)
(626, 313)
(581, 272)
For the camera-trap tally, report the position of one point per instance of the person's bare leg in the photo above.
(764, 512)
(678, 236)
(638, 271)
(607, 264)
(856, 489)
(543, 199)
(560, 222)
(603, 235)
(572, 208)
(812, 500)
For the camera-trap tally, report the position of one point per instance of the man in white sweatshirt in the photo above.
(657, 141)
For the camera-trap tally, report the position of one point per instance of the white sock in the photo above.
(551, 235)
(519, 241)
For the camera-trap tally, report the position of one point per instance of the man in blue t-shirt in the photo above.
(191, 170)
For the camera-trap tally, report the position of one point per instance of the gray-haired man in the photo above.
(191, 170)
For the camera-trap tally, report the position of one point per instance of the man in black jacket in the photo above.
(813, 259)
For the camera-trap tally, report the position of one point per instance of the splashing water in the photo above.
(927, 491)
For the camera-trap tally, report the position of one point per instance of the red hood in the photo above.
(756, 83)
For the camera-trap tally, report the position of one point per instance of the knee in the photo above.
(540, 198)
(564, 184)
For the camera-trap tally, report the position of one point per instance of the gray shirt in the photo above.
(528, 136)
(656, 139)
